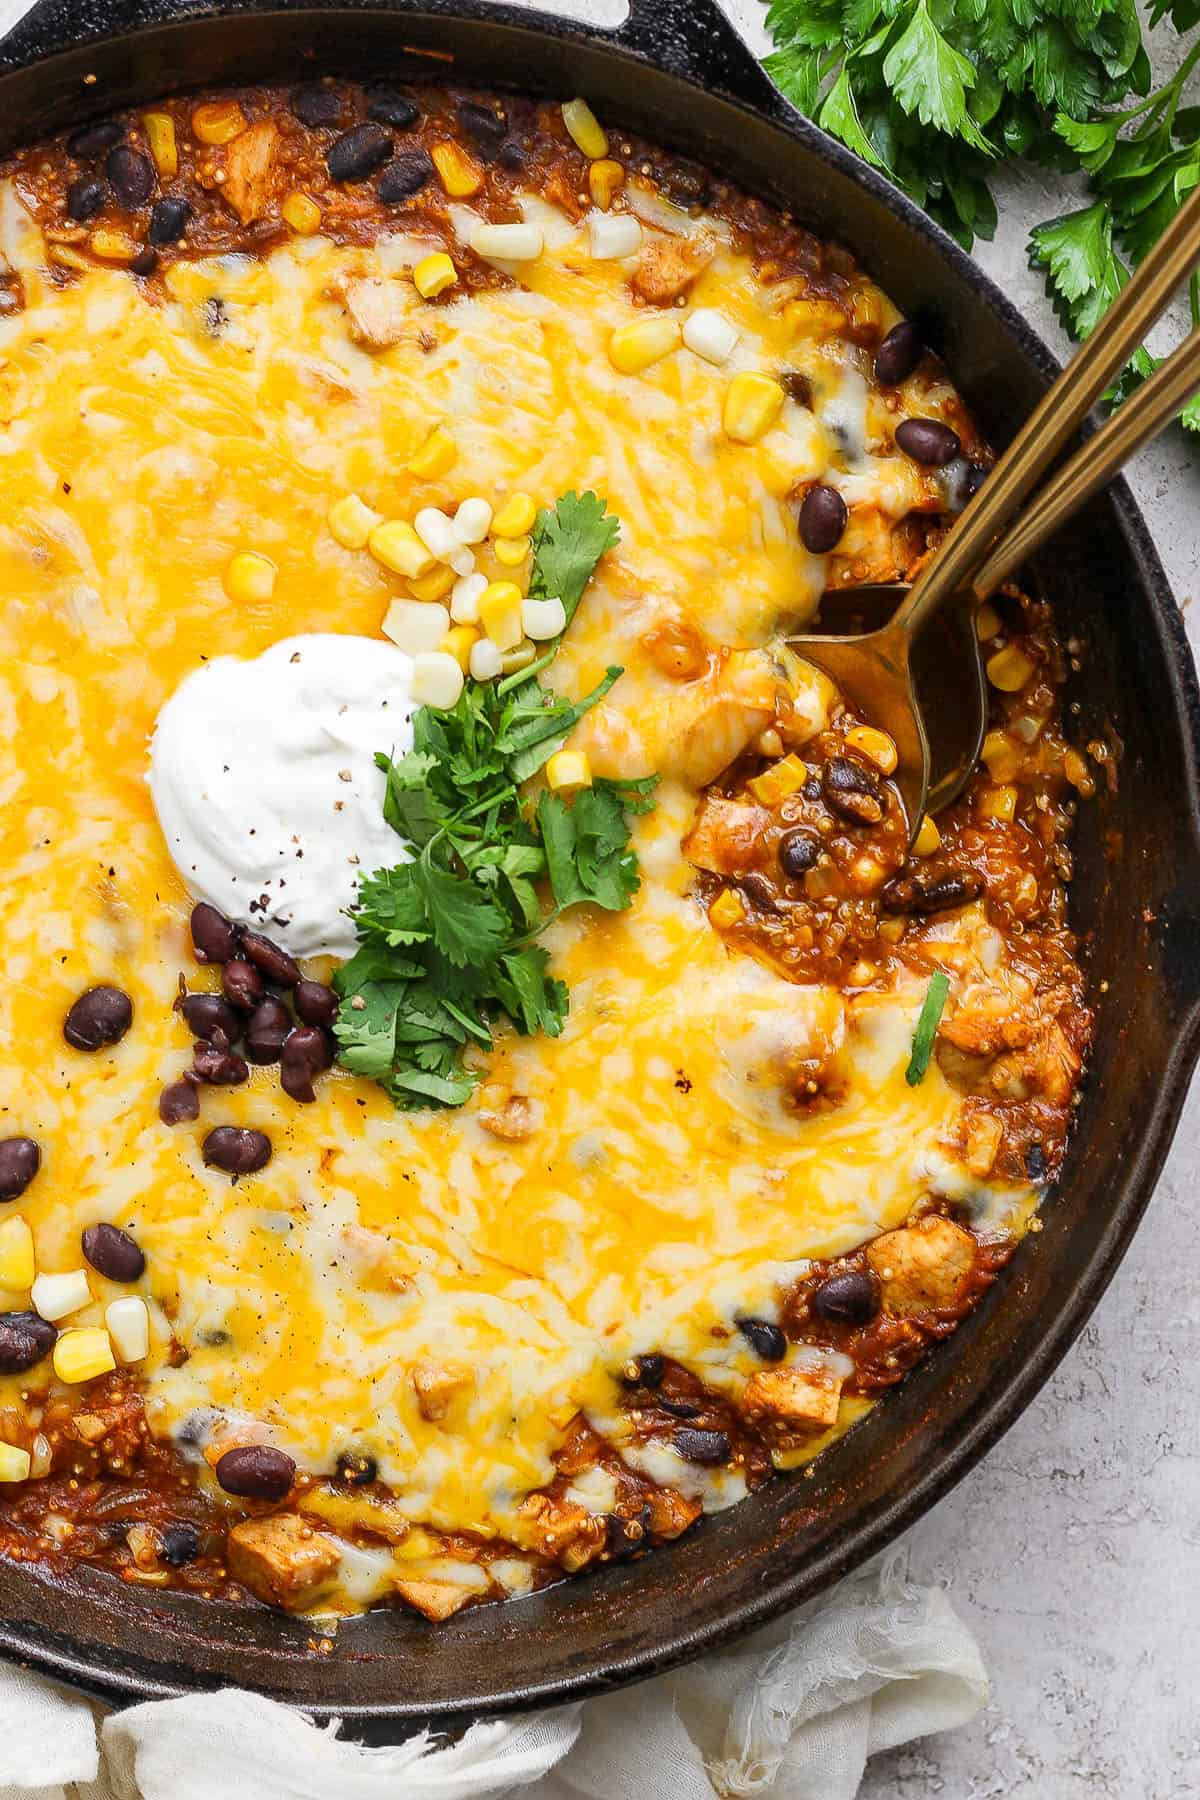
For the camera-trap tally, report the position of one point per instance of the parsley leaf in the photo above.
(445, 937)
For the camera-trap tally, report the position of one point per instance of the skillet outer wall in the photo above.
(1138, 872)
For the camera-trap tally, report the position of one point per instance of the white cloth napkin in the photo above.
(793, 1712)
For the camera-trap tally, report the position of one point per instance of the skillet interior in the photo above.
(1137, 863)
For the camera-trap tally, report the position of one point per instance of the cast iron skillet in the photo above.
(678, 72)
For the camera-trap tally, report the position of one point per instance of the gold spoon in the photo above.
(930, 644)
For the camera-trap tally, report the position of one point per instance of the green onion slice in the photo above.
(927, 1024)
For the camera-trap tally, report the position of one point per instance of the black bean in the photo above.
(208, 1013)
(644, 1371)
(315, 104)
(101, 1016)
(305, 1054)
(930, 894)
(852, 791)
(256, 1471)
(168, 222)
(242, 984)
(218, 1064)
(267, 1031)
(823, 517)
(1035, 1162)
(764, 1338)
(387, 106)
(928, 441)
(94, 140)
(279, 968)
(798, 853)
(20, 1160)
(85, 197)
(404, 176)
(851, 1298)
(145, 262)
(179, 1102)
(899, 354)
(359, 150)
(24, 1339)
(797, 387)
(756, 887)
(180, 1543)
(113, 1252)
(687, 184)
(357, 1468)
(214, 938)
(316, 1004)
(624, 1538)
(512, 155)
(679, 1409)
(131, 174)
(702, 1446)
(485, 128)
(236, 1150)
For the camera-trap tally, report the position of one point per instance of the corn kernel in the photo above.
(584, 128)
(435, 456)
(1009, 669)
(249, 576)
(14, 1463)
(437, 680)
(815, 318)
(642, 342)
(473, 519)
(500, 614)
(727, 909)
(544, 619)
(83, 1353)
(436, 531)
(459, 643)
(515, 517)
(987, 623)
(928, 838)
(17, 1265)
(514, 660)
(876, 746)
(752, 404)
(774, 784)
(568, 769)
(998, 804)
(302, 213)
(460, 174)
(465, 596)
(128, 1324)
(68, 258)
(434, 586)
(160, 141)
(605, 181)
(113, 246)
(434, 274)
(396, 545)
(485, 660)
(56, 1296)
(1000, 755)
(415, 626)
(218, 122)
(511, 551)
(351, 522)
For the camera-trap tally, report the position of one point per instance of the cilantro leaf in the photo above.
(409, 805)
(568, 541)
(587, 848)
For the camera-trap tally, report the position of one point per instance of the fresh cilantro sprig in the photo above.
(447, 940)
(930, 1017)
(938, 92)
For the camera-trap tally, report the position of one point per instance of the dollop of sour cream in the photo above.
(264, 780)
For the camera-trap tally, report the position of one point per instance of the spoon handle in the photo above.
(1151, 408)
(1053, 423)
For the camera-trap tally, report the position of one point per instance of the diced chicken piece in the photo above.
(1049, 1067)
(249, 168)
(559, 1529)
(505, 1115)
(792, 1402)
(438, 1386)
(438, 1600)
(923, 1267)
(990, 1016)
(91, 1427)
(727, 837)
(667, 268)
(281, 1559)
(671, 1513)
(375, 309)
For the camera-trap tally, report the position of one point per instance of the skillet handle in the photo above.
(696, 39)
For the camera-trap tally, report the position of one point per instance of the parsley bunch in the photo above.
(447, 940)
(935, 92)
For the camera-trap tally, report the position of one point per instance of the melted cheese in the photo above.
(667, 1184)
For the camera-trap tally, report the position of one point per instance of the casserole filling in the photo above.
(317, 405)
